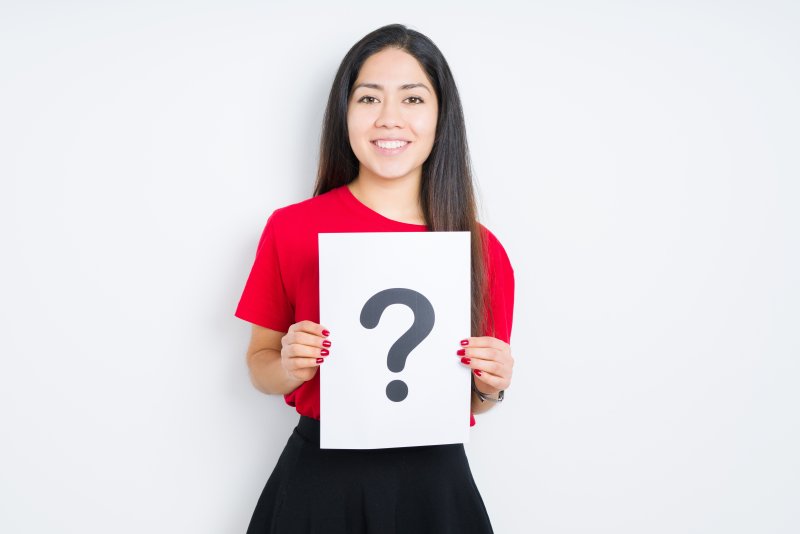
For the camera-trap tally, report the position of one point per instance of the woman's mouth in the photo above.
(390, 147)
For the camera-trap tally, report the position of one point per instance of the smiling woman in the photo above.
(393, 158)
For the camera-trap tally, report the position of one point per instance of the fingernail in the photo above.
(326, 333)
(465, 360)
(461, 352)
(477, 372)
(326, 343)
(320, 360)
(464, 342)
(324, 352)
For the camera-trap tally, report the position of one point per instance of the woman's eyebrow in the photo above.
(379, 87)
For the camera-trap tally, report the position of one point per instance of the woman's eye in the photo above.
(371, 99)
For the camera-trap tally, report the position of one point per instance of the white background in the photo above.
(638, 160)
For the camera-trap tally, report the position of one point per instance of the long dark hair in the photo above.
(446, 191)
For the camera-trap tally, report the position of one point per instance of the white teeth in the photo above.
(391, 144)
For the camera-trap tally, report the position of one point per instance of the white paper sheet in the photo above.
(430, 271)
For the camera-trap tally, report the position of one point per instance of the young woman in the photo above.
(393, 158)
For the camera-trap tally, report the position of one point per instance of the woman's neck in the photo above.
(396, 199)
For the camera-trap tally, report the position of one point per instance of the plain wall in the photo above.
(638, 160)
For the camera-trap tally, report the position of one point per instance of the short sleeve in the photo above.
(500, 305)
(264, 301)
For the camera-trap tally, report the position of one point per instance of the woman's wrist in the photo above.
(487, 390)
(290, 382)
(485, 394)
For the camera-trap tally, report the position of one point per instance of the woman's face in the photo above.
(391, 116)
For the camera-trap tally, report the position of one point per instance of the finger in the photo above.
(310, 327)
(500, 352)
(493, 381)
(496, 374)
(482, 353)
(484, 341)
(297, 350)
(295, 364)
(485, 366)
(312, 340)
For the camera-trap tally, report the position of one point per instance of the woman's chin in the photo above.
(393, 174)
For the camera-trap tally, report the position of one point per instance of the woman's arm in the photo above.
(280, 362)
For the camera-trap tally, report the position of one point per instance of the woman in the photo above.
(393, 158)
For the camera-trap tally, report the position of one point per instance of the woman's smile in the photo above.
(390, 147)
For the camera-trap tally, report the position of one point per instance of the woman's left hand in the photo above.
(490, 360)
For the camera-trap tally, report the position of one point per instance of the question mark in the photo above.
(397, 390)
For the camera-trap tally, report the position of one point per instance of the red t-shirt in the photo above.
(283, 286)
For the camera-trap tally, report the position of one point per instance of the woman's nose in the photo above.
(389, 115)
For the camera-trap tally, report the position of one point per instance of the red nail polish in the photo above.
(465, 361)
(464, 342)
(326, 343)
(320, 360)
(326, 333)
(324, 352)
(461, 352)
(477, 372)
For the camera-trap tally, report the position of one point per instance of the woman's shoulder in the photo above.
(492, 242)
(494, 248)
(304, 211)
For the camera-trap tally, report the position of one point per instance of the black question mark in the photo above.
(397, 390)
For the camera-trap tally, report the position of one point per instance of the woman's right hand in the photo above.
(303, 349)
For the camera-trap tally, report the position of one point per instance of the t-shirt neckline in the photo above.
(353, 200)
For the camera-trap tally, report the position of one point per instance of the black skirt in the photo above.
(406, 490)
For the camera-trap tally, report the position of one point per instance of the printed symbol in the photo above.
(397, 390)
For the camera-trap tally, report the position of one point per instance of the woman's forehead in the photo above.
(391, 69)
